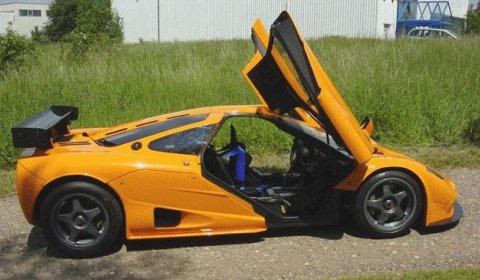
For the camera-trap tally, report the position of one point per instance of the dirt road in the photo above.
(302, 253)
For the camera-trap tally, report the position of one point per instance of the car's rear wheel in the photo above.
(81, 220)
(388, 204)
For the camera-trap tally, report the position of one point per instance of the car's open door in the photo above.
(286, 76)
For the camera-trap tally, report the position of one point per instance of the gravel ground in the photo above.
(283, 254)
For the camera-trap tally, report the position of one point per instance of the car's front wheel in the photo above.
(81, 220)
(388, 204)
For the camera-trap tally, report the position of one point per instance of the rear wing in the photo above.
(39, 131)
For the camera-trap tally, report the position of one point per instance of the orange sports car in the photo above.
(203, 171)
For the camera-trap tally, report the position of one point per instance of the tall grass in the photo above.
(418, 91)
(442, 274)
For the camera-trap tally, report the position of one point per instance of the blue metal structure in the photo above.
(411, 14)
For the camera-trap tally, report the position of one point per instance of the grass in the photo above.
(7, 182)
(419, 92)
(455, 156)
(450, 274)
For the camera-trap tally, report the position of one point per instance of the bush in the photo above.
(38, 35)
(14, 51)
(83, 42)
(472, 133)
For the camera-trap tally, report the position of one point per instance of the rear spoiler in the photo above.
(39, 131)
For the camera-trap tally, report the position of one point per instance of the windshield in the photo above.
(310, 131)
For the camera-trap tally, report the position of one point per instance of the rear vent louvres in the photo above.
(78, 143)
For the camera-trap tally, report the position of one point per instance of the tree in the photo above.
(93, 18)
(96, 24)
(473, 20)
(97, 17)
(62, 19)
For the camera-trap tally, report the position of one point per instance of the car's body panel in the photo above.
(206, 208)
(440, 193)
(210, 209)
(145, 179)
(29, 187)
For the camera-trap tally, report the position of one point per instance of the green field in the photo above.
(419, 92)
(450, 274)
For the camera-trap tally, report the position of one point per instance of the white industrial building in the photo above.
(183, 20)
(23, 15)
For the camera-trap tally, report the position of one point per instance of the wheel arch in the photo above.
(73, 178)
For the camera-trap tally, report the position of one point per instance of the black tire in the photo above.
(388, 204)
(81, 220)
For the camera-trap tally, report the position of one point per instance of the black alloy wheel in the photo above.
(80, 219)
(388, 204)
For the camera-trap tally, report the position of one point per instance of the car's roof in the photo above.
(228, 109)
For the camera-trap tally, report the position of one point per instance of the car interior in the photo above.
(294, 182)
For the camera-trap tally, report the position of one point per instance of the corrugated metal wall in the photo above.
(213, 19)
(139, 19)
(226, 19)
(5, 19)
(357, 18)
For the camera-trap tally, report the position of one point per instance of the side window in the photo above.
(185, 142)
(268, 146)
(291, 48)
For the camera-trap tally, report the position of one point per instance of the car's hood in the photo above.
(286, 76)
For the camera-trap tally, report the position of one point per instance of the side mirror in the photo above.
(367, 126)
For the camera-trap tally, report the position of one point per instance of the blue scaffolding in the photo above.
(434, 14)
